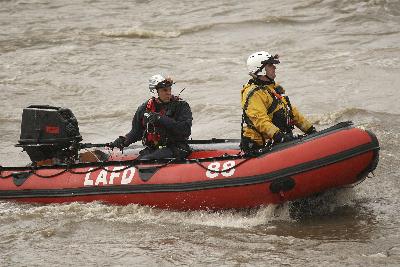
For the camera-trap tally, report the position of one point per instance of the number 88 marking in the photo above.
(214, 168)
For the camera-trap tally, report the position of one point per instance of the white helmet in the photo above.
(257, 61)
(158, 81)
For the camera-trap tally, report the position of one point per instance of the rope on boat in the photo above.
(223, 170)
(33, 170)
(133, 163)
(127, 164)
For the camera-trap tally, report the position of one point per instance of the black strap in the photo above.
(290, 107)
(252, 92)
(279, 90)
(274, 103)
(246, 119)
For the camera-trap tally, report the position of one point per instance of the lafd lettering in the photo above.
(119, 175)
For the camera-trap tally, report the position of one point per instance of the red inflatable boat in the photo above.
(215, 176)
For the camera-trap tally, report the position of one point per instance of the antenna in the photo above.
(181, 91)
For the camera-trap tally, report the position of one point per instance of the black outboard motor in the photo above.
(49, 132)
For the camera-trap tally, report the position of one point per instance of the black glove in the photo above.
(311, 130)
(119, 142)
(280, 137)
(152, 117)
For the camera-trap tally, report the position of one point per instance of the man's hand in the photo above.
(119, 143)
(311, 130)
(152, 117)
(280, 137)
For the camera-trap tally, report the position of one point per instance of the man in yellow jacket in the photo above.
(267, 111)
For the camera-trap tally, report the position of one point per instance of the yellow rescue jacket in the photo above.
(262, 107)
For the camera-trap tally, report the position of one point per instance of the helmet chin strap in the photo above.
(255, 76)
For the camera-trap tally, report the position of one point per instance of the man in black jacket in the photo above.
(163, 124)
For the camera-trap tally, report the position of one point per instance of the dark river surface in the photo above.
(340, 61)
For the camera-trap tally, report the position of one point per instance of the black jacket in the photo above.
(176, 124)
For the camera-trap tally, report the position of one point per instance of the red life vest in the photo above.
(151, 136)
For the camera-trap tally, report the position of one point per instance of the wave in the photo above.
(9, 119)
(353, 114)
(374, 33)
(149, 34)
(362, 6)
(140, 33)
(6, 80)
(352, 7)
(132, 214)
